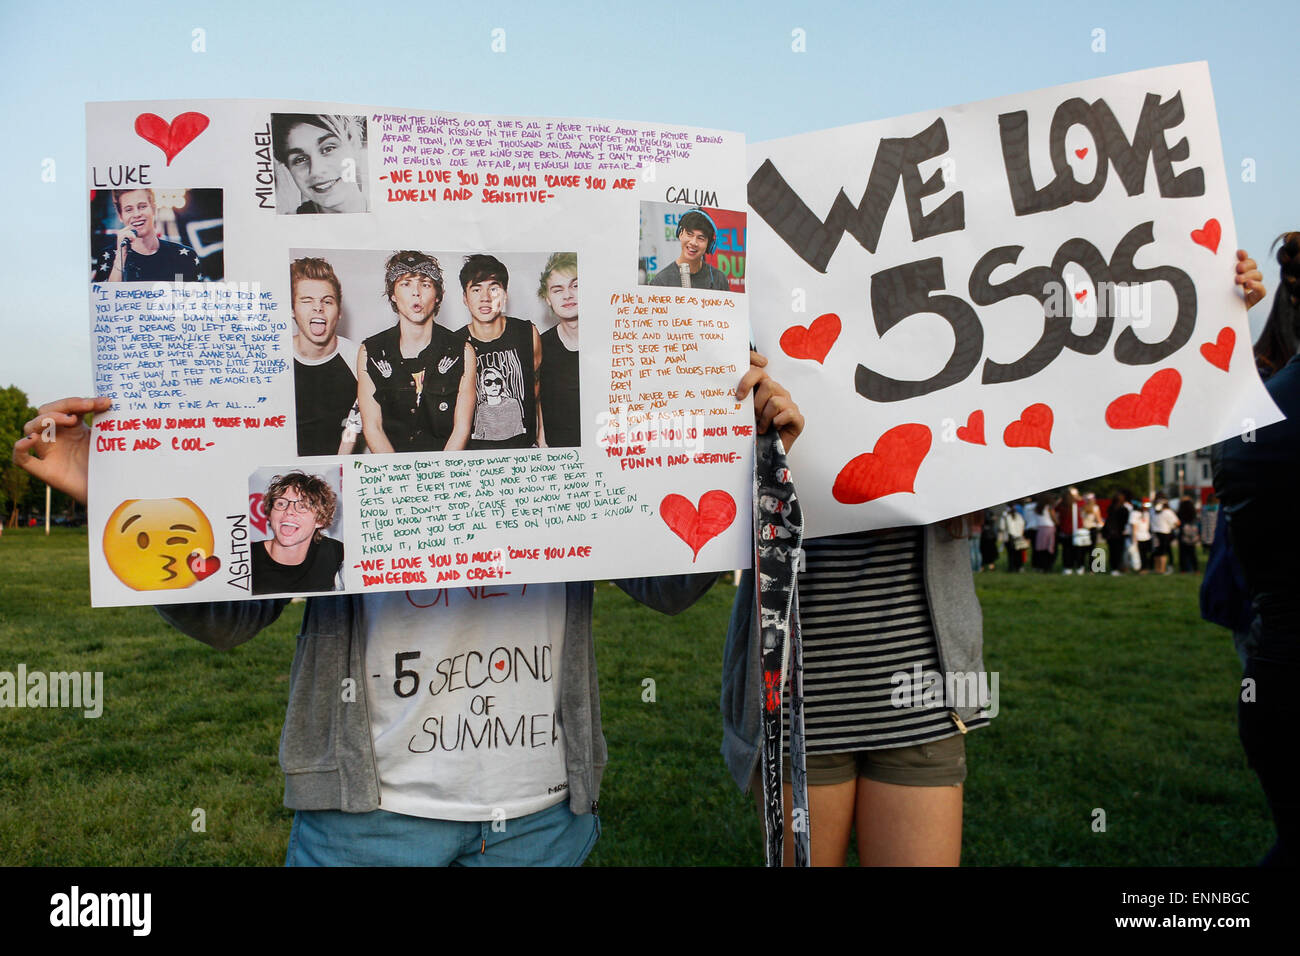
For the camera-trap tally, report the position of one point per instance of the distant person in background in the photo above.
(699, 238)
(1209, 520)
(140, 254)
(559, 392)
(1075, 539)
(1188, 534)
(1045, 533)
(989, 540)
(1114, 529)
(1164, 522)
(1140, 536)
(1092, 522)
(323, 155)
(1011, 530)
(324, 363)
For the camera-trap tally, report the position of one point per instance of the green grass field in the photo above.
(1114, 695)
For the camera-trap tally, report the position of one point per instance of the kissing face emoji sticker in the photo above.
(155, 544)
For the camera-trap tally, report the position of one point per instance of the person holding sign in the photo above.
(558, 394)
(509, 356)
(416, 380)
(699, 238)
(324, 363)
(298, 557)
(1255, 479)
(141, 255)
(410, 767)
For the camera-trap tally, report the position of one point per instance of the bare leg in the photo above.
(907, 826)
(830, 810)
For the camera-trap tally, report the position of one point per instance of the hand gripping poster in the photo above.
(344, 350)
(978, 303)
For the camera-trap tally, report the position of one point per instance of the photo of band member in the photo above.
(156, 235)
(434, 370)
(320, 163)
(686, 247)
(297, 545)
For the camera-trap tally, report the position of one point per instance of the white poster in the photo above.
(344, 351)
(981, 302)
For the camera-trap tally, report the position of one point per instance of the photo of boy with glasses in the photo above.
(298, 557)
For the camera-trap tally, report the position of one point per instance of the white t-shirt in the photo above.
(1139, 525)
(1164, 521)
(464, 692)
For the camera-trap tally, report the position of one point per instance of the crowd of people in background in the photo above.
(1081, 534)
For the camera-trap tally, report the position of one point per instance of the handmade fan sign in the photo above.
(978, 303)
(344, 350)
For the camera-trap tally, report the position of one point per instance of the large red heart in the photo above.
(1151, 406)
(1209, 235)
(203, 567)
(887, 469)
(973, 430)
(1219, 352)
(1033, 429)
(813, 342)
(697, 527)
(171, 137)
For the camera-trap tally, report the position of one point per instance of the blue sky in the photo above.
(727, 66)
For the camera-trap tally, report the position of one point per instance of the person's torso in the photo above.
(464, 697)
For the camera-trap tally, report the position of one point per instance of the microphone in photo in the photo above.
(124, 239)
(686, 274)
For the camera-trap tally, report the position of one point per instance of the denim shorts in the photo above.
(555, 836)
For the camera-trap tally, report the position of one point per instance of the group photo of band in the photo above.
(415, 351)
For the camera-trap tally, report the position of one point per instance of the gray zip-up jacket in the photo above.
(958, 628)
(326, 748)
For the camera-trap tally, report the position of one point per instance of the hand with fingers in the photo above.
(1250, 279)
(772, 403)
(55, 446)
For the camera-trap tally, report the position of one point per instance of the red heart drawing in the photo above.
(1219, 352)
(697, 527)
(1151, 406)
(1081, 152)
(973, 430)
(203, 568)
(257, 510)
(887, 469)
(1208, 236)
(813, 342)
(1033, 429)
(1081, 295)
(171, 137)
(500, 665)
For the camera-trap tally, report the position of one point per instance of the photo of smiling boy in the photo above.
(509, 346)
(698, 236)
(324, 363)
(298, 557)
(415, 380)
(321, 161)
(140, 253)
(559, 391)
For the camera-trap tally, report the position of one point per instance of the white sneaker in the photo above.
(1114, 574)
(1067, 571)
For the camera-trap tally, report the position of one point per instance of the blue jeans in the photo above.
(551, 837)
